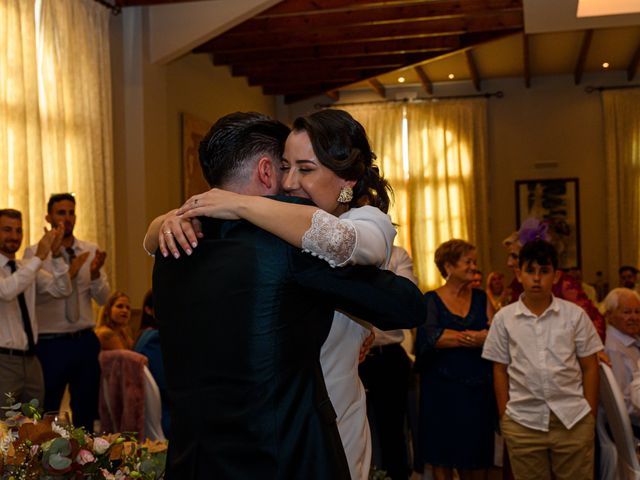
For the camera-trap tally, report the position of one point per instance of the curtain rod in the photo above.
(591, 89)
(115, 9)
(498, 94)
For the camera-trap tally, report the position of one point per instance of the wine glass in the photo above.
(58, 418)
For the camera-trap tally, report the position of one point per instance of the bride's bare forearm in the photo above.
(287, 221)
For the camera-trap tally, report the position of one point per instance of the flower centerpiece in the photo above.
(33, 448)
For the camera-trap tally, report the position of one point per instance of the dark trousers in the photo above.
(385, 375)
(73, 360)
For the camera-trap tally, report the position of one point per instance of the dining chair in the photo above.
(615, 411)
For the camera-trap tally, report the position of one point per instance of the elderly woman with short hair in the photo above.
(457, 405)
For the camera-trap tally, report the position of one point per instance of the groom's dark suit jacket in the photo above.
(242, 321)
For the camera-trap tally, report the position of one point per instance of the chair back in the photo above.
(608, 451)
(122, 391)
(612, 401)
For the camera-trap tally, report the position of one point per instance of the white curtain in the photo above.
(622, 145)
(55, 114)
(437, 165)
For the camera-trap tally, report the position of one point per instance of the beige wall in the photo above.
(553, 121)
(148, 100)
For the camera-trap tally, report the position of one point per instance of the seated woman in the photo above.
(113, 324)
(622, 311)
(457, 404)
(148, 344)
(328, 160)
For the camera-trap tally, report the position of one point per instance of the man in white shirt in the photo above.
(68, 347)
(622, 311)
(20, 370)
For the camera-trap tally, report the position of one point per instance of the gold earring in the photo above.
(346, 194)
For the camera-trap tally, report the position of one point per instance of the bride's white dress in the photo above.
(361, 236)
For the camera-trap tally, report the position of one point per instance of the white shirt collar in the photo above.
(522, 309)
(626, 340)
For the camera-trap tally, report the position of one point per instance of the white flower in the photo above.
(100, 445)
(63, 432)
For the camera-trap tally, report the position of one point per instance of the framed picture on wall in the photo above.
(193, 131)
(555, 202)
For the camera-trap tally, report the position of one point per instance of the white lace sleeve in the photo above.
(329, 238)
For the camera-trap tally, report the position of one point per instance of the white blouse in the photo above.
(362, 236)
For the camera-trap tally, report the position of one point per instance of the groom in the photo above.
(242, 320)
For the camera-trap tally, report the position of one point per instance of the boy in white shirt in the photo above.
(545, 374)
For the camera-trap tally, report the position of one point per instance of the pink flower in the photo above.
(84, 456)
(33, 451)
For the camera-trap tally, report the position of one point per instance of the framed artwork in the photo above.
(193, 131)
(555, 202)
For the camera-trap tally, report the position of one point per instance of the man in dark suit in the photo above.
(242, 320)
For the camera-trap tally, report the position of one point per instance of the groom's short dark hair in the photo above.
(235, 142)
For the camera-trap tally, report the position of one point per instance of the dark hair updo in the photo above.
(341, 145)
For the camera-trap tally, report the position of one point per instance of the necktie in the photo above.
(72, 311)
(26, 320)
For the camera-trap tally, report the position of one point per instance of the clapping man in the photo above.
(20, 370)
(68, 347)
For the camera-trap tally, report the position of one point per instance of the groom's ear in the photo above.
(267, 175)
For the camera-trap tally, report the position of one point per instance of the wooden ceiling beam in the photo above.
(303, 89)
(582, 56)
(144, 3)
(333, 95)
(431, 11)
(229, 42)
(297, 7)
(337, 65)
(424, 79)
(632, 69)
(318, 75)
(473, 69)
(377, 87)
(526, 61)
(409, 45)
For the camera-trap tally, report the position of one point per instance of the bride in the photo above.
(327, 159)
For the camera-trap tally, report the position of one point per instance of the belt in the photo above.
(77, 334)
(16, 353)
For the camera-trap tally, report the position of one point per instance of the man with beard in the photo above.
(20, 371)
(68, 347)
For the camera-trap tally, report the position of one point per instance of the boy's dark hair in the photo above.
(539, 251)
(58, 197)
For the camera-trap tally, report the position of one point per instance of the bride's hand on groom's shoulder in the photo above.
(215, 203)
(176, 230)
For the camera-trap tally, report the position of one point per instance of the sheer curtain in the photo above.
(55, 114)
(622, 145)
(434, 156)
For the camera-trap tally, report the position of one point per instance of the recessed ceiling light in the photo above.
(451, 76)
(605, 65)
(401, 79)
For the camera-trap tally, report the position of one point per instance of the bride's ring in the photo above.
(168, 232)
